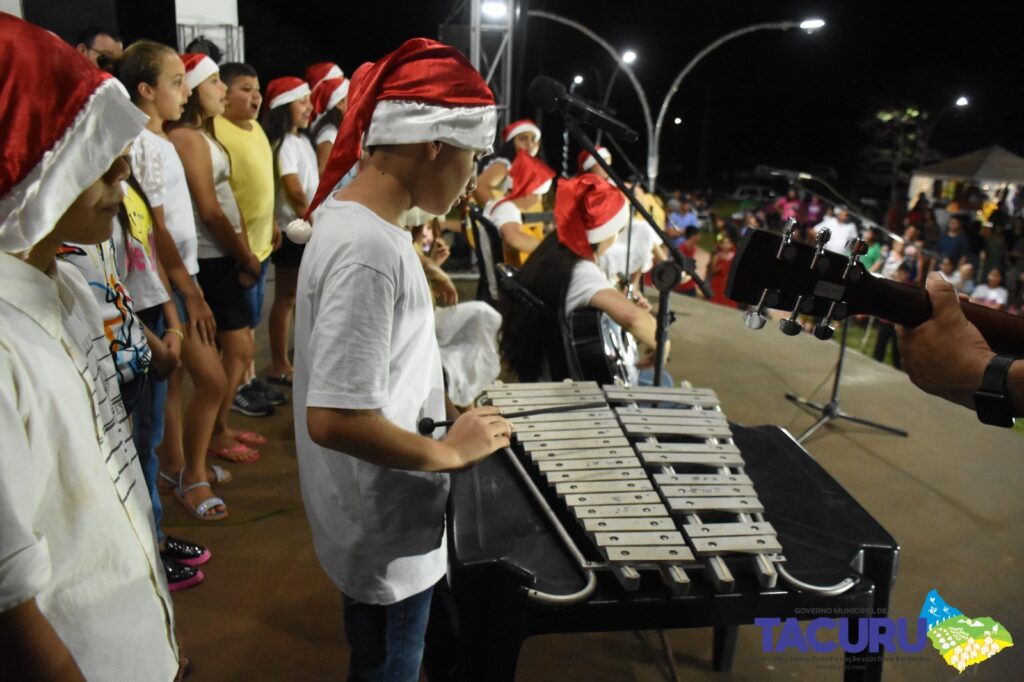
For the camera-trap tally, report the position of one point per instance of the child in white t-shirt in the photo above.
(367, 366)
(296, 176)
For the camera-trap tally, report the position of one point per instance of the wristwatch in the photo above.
(992, 400)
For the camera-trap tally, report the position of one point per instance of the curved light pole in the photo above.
(642, 96)
(809, 25)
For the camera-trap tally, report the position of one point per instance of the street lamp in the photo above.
(577, 80)
(808, 25)
(677, 120)
(962, 101)
(629, 56)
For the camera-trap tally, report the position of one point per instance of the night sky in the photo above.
(777, 98)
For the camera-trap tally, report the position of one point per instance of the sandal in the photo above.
(217, 475)
(250, 438)
(239, 453)
(283, 379)
(201, 509)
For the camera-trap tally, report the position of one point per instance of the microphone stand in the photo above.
(665, 275)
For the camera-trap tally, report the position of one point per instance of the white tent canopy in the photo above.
(992, 168)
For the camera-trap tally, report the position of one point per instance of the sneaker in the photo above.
(268, 392)
(179, 576)
(185, 552)
(250, 403)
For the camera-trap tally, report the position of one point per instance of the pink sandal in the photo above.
(251, 438)
(239, 454)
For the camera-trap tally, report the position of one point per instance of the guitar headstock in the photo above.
(773, 271)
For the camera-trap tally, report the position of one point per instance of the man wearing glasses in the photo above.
(100, 45)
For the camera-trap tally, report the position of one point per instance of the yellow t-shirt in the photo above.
(252, 180)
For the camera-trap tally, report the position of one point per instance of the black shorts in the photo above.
(218, 278)
(289, 255)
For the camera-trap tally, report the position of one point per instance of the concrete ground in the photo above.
(950, 494)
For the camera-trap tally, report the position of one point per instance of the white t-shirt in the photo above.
(364, 339)
(983, 294)
(327, 134)
(641, 256)
(76, 523)
(587, 280)
(295, 156)
(841, 233)
(500, 212)
(156, 164)
(208, 247)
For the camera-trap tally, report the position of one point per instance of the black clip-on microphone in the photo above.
(426, 426)
(550, 95)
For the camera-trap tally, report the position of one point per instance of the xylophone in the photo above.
(658, 488)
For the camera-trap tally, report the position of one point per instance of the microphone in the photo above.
(550, 95)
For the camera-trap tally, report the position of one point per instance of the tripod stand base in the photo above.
(830, 411)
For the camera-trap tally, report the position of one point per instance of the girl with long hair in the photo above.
(330, 102)
(297, 175)
(227, 264)
(155, 78)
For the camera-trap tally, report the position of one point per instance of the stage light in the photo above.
(962, 101)
(494, 10)
(812, 25)
(629, 56)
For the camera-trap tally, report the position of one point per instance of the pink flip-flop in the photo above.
(239, 454)
(250, 438)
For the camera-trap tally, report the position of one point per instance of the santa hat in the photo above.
(321, 71)
(57, 140)
(198, 67)
(585, 161)
(588, 210)
(529, 176)
(328, 93)
(282, 91)
(524, 125)
(422, 92)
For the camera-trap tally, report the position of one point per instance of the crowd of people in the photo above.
(145, 196)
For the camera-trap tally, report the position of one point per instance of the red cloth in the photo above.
(583, 203)
(528, 173)
(719, 277)
(40, 97)
(421, 70)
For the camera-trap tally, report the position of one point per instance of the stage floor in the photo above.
(950, 494)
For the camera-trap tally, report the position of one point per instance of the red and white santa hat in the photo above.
(585, 161)
(422, 92)
(588, 210)
(282, 91)
(321, 71)
(523, 125)
(328, 93)
(529, 176)
(198, 67)
(57, 140)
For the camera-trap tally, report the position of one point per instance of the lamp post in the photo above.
(807, 25)
(961, 103)
(577, 80)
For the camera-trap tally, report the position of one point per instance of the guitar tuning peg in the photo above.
(857, 247)
(823, 330)
(756, 318)
(790, 327)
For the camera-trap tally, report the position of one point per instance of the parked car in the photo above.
(756, 193)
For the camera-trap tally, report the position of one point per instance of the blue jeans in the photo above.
(386, 641)
(254, 295)
(148, 422)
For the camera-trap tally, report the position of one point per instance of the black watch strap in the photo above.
(992, 401)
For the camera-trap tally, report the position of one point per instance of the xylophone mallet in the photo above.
(427, 425)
